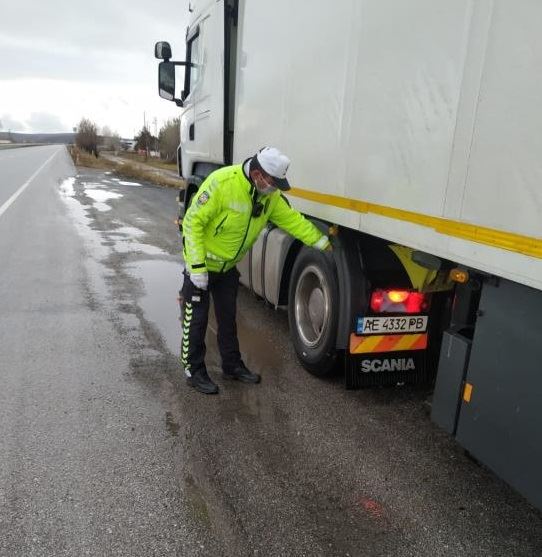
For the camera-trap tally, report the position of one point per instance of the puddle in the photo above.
(159, 303)
(258, 350)
(80, 217)
(102, 207)
(95, 185)
(242, 405)
(246, 405)
(161, 278)
(130, 321)
(101, 196)
(123, 183)
(129, 246)
(128, 231)
(66, 188)
(171, 425)
(196, 499)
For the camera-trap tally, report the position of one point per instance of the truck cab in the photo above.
(207, 104)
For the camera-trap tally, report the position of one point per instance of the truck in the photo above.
(415, 134)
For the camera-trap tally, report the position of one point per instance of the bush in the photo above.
(168, 139)
(145, 141)
(87, 136)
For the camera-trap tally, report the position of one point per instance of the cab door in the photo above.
(202, 122)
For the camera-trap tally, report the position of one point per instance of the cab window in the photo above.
(193, 56)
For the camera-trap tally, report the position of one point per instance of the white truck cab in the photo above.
(207, 108)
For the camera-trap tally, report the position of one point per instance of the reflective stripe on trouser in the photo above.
(185, 342)
(195, 316)
(223, 287)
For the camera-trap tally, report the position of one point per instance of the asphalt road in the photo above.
(104, 450)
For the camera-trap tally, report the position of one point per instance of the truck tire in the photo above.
(313, 311)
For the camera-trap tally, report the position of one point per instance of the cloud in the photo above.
(70, 60)
(45, 122)
(105, 41)
(111, 105)
(7, 123)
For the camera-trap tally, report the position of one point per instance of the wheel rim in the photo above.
(312, 306)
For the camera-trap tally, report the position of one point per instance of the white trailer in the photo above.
(415, 134)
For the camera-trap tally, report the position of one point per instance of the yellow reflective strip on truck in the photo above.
(407, 342)
(369, 343)
(509, 241)
(386, 343)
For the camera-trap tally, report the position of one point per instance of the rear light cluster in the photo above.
(399, 301)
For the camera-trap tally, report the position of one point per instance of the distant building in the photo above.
(127, 144)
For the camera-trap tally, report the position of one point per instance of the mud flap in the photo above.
(385, 369)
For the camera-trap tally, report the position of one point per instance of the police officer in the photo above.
(227, 214)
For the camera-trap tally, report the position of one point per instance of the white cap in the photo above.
(276, 164)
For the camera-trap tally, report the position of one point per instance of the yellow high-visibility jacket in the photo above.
(219, 228)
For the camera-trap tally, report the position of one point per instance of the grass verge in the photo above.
(127, 170)
(156, 163)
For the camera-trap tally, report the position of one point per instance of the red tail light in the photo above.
(416, 303)
(398, 301)
(377, 299)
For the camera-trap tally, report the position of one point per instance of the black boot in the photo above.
(201, 381)
(242, 373)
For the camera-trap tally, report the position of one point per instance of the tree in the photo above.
(144, 140)
(114, 142)
(168, 139)
(109, 139)
(87, 136)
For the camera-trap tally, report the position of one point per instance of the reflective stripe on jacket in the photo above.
(218, 228)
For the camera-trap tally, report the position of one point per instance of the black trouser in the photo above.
(223, 287)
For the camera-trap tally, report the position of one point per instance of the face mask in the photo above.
(268, 189)
(265, 188)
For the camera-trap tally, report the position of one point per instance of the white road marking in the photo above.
(7, 204)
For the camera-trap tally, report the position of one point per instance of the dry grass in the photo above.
(156, 163)
(127, 170)
(82, 158)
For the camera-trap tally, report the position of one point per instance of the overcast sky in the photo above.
(61, 60)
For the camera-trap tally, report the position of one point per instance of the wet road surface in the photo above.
(105, 451)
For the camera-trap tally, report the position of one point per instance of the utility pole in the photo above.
(146, 136)
(155, 121)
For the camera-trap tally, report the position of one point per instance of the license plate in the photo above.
(390, 325)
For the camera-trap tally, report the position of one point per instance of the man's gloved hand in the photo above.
(200, 280)
(323, 244)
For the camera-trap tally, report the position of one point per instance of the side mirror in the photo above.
(166, 73)
(162, 51)
(166, 80)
